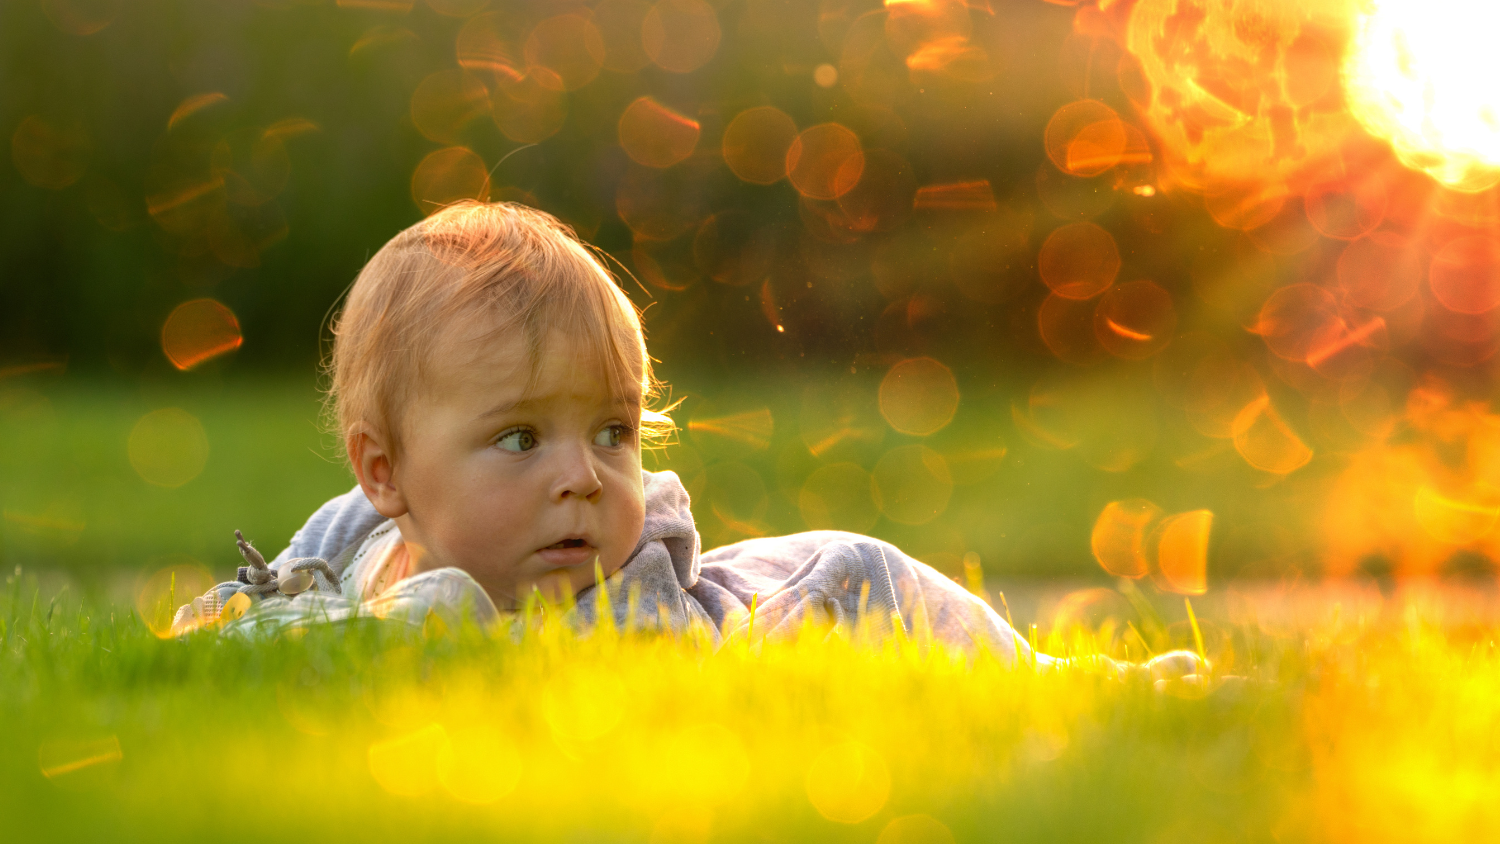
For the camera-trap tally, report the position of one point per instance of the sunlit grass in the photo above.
(1355, 724)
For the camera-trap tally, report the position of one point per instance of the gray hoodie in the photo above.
(818, 576)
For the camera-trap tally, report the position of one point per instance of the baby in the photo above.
(493, 391)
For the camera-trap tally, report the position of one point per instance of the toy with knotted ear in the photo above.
(294, 577)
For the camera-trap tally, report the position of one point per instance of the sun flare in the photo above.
(1420, 73)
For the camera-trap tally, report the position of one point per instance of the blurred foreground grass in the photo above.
(1364, 719)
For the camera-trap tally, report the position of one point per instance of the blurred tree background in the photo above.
(933, 271)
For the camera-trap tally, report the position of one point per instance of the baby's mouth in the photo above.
(566, 543)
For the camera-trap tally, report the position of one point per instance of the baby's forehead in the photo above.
(533, 367)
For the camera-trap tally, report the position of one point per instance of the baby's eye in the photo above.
(518, 440)
(612, 435)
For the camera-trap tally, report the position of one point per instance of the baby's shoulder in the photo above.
(333, 527)
(786, 552)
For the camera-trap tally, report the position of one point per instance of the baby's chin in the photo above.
(555, 585)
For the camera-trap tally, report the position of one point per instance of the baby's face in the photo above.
(521, 489)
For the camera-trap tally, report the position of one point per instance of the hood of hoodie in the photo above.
(663, 566)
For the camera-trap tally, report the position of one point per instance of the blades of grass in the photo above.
(1197, 634)
(1144, 644)
(1151, 620)
(750, 627)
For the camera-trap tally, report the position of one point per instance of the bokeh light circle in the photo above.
(680, 35)
(1182, 552)
(755, 144)
(1465, 274)
(446, 102)
(825, 161)
(1119, 538)
(447, 175)
(50, 154)
(918, 396)
(570, 46)
(656, 136)
(1135, 320)
(168, 447)
(197, 331)
(159, 594)
(81, 17)
(1085, 138)
(1079, 261)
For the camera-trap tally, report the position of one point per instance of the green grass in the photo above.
(73, 502)
(1367, 727)
(1364, 717)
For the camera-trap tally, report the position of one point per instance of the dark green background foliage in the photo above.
(89, 275)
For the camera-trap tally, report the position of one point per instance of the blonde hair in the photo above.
(518, 266)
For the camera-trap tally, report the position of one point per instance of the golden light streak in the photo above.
(194, 104)
(94, 753)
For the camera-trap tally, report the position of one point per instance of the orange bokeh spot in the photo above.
(1380, 272)
(81, 17)
(1067, 328)
(50, 155)
(619, 23)
(160, 594)
(756, 142)
(918, 396)
(1266, 441)
(482, 47)
(194, 104)
(1079, 261)
(655, 135)
(1135, 320)
(253, 166)
(446, 102)
(1182, 552)
(825, 161)
(1085, 138)
(680, 35)
(447, 175)
(1457, 520)
(1295, 319)
(1465, 274)
(197, 331)
(569, 46)
(377, 37)
(1345, 209)
(531, 108)
(1119, 539)
(957, 196)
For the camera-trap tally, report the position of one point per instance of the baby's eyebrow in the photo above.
(503, 408)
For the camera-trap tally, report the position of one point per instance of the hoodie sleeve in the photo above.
(332, 528)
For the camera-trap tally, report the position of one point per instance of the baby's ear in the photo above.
(375, 467)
